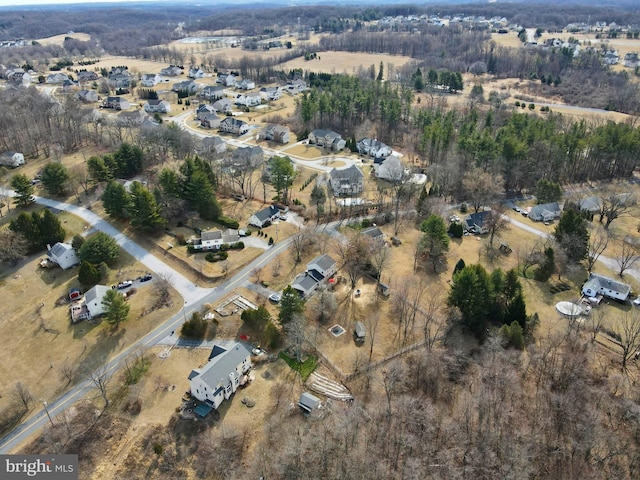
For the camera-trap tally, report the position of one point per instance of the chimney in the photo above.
(48, 247)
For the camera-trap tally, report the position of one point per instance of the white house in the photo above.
(222, 374)
(597, 284)
(545, 212)
(374, 148)
(87, 96)
(56, 78)
(150, 79)
(264, 217)
(223, 105)
(195, 72)
(212, 92)
(249, 100)
(11, 159)
(391, 170)
(93, 299)
(271, 93)
(276, 133)
(246, 84)
(327, 139)
(171, 71)
(348, 181)
(63, 254)
(157, 106)
(234, 125)
(214, 239)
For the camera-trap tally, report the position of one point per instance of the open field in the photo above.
(59, 39)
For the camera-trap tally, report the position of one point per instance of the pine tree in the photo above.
(88, 274)
(24, 190)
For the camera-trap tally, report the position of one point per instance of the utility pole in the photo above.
(46, 409)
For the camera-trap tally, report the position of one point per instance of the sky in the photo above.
(22, 3)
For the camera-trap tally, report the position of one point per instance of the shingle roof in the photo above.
(96, 292)
(59, 249)
(373, 232)
(267, 213)
(598, 282)
(304, 282)
(351, 173)
(211, 235)
(325, 262)
(217, 370)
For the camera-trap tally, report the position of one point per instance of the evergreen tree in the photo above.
(380, 73)
(434, 241)
(513, 335)
(50, 230)
(88, 274)
(99, 248)
(546, 268)
(145, 213)
(572, 235)
(98, 169)
(318, 198)
(54, 178)
(24, 190)
(517, 312)
(116, 201)
(77, 242)
(471, 295)
(459, 266)
(548, 191)
(116, 307)
(291, 304)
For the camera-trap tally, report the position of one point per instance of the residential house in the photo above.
(150, 80)
(607, 287)
(590, 204)
(116, 103)
(374, 233)
(268, 166)
(271, 93)
(188, 86)
(133, 118)
(203, 109)
(347, 182)
(294, 87)
(233, 125)
(248, 156)
(264, 217)
(213, 144)
(157, 106)
(276, 133)
(631, 60)
(246, 84)
(87, 96)
(171, 71)
(69, 86)
(63, 254)
(227, 79)
(610, 57)
(221, 376)
(209, 120)
(391, 170)
(212, 92)
(11, 159)
(223, 105)
(85, 76)
(214, 239)
(16, 77)
(119, 77)
(374, 148)
(545, 212)
(249, 100)
(308, 402)
(195, 72)
(93, 300)
(319, 270)
(477, 222)
(327, 139)
(56, 78)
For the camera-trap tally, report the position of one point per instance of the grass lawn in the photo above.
(304, 368)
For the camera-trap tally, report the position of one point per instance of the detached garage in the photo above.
(308, 402)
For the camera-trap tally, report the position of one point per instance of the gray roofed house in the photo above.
(590, 204)
(133, 118)
(203, 110)
(93, 299)
(327, 139)
(196, 72)
(265, 216)
(276, 133)
(271, 93)
(391, 169)
(248, 156)
(212, 92)
(64, 255)
(117, 103)
(222, 375)
(598, 284)
(87, 76)
(308, 402)
(214, 239)
(213, 144)
(374, 148)
(305, 284)
(348, 181)
(209, 120)
(57, 78)
(545, 212)
(476, 222)
(223, 105)
(87, 96)
(11, 159)
(157, 106)
(233, 125)
(187, 86)
(374, 233)
(171, 71)
(150, 79)
(323, 264)
(318, 271)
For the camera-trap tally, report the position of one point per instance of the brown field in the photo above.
(59, 39)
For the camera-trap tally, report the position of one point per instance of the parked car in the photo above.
(125, 284)
(146, 278)
(275, 297)
(636, 302)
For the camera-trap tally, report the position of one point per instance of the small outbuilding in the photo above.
(308, 402)
(360, 332)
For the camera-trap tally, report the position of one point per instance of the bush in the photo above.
(232, 246)
(228, 222)
(157, 449)
(366, 223)
(216, 256)
(271, 241)
(180, 239)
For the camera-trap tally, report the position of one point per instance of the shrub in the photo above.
(180, 239)
(228, 222)
(270, 241)
(157, 449)
(366, 223)
(195, 327)
(216, 256)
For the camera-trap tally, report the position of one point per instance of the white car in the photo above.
(275, 297)
(636, 302)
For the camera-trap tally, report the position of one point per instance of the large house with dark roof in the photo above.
(318, 271)
(214, 239)
(233, 125)
(374, 148)
(477, 222)
(264, 217)
(222, 375)
(347, 182)
(545, 212)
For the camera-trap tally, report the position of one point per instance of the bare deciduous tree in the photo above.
(627, 328)
(276, 265)
(23, 395)
(598, 241)
(354, 254)
(300, 241)
(100, 379)
(615, 203)
(627, 255)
